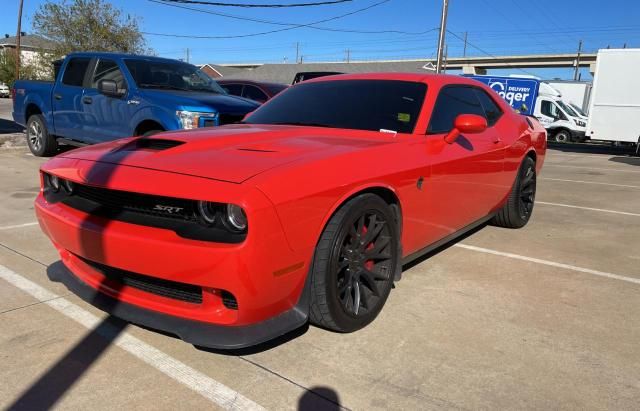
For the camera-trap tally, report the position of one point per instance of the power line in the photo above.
(266, 32)
(257, 5)
(279, 23)
(486, 53)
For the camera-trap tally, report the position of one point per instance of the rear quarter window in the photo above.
(75, 71)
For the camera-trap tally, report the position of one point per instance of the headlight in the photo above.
(191, 119)
(68, 186)
(236, 217)
(55, 183)
(207, 212)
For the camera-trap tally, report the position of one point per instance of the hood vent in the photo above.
(153, 144)
(257, 150)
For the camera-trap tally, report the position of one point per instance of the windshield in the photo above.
(171, 75)
(578, 110)
(376, 105)
(567, 109)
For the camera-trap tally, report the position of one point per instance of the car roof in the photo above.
(433, 79)
(120, 55)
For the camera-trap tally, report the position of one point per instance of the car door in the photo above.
(67, 99)
(467, 177)
(107, 117)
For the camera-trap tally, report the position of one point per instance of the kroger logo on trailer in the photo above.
(519, 93)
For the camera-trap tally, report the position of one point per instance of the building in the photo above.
(217, 71)
(30, 46)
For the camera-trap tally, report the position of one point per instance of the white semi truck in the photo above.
(614, 113)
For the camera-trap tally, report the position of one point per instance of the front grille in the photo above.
(117, 201)
(170, 289)
(230, 118)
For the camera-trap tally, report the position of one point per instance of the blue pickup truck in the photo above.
(99, 97)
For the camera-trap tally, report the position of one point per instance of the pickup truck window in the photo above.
(108, 70)
(353, 104)
(75, 71)
(157, 74)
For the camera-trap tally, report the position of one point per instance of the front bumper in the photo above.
(264, 275)
(194, 332)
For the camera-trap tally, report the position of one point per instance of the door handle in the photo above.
(57, 96)
(87, 100)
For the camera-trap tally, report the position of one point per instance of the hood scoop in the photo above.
(157, 144)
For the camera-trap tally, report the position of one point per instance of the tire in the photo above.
(353, 272)
(517, 210)
(40, 142)
(563, 136)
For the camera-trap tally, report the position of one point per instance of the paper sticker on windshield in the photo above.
(404, 117)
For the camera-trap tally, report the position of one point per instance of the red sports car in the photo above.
(234, 235)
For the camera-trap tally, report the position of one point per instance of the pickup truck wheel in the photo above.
(354, 265)
(519, 206)
(563, 136)
(40, 142)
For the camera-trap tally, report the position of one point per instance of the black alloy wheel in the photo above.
(527, 192)
(354, 264)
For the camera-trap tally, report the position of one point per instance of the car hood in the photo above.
(223, 103)
(232, 153)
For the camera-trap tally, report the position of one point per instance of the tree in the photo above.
(37, 66)
(88, 25)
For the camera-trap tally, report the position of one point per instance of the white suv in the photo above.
(4, 91)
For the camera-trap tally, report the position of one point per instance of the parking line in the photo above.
(602, 210)
(209, 388)
(549, 164)
(9, 227)
(588, 182)
(550, 263)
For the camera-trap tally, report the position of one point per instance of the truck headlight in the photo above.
(191, 119)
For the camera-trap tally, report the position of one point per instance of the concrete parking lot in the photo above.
(539, 318)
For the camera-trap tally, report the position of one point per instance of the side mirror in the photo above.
(466, 124)
(109, 88)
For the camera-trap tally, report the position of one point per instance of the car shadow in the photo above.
(592, 148)
(632, 161)
(9, 126)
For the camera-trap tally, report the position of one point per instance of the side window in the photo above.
(254, 93)
(491, 109)
(75, 71)
(545, 108)
(235, 89)
(108, 70)
(453, 101)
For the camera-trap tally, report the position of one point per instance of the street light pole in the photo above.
(443, 30)
(18, 41)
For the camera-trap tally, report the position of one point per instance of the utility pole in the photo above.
(443, 30)
(348, 52)
(18, 35)
(446, 58)
(187, 54)
(464, 51)
(297, 51)
(577, 68)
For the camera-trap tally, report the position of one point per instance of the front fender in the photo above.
(147, 111)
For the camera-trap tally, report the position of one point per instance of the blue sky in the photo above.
(495, 27)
